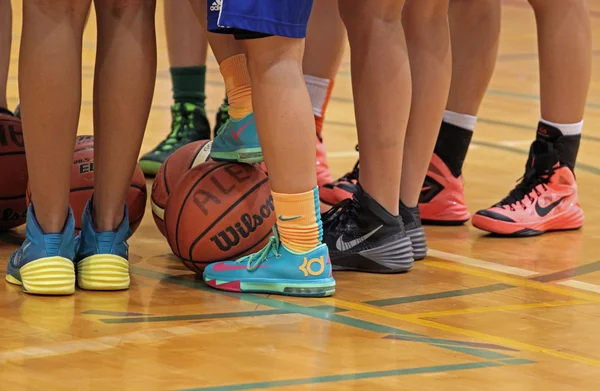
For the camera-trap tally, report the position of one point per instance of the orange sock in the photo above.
(237, 82)
(299, 220)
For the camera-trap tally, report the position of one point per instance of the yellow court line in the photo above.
(522, 282)
(512, 307)
(457, 330)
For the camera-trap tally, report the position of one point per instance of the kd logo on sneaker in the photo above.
(308, 269)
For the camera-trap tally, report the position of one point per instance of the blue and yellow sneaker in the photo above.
(237, 141)
(43, 264)
(275, 269)
(102, 257)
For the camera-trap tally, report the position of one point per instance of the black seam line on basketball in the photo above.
(164, 177)
(11, 153)
(82, 189)
(195, 157)
(157, 203)
(185, 201)
(235, 256)
(142, 188)
(13, 197)
(258, 185)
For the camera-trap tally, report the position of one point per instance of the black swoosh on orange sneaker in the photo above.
(544, 211)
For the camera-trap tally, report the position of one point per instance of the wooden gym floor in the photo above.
(478, 314)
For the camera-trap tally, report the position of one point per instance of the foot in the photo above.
(323, 173)
(102, 257)
(275, 269)
(363, 236)
(344, 188)
(442, 199)
(221, 117)
(414, 230)
(43, 265)
(189, 124)
(545, 200)
(237, 141)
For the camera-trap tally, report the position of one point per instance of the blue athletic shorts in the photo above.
(259, 18)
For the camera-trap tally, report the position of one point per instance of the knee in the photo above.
(58, 8)
(555, 5)
(419, 10)
(118, 7)
(274, 52)
(361, 17)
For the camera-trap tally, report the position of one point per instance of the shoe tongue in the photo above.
(547, 132)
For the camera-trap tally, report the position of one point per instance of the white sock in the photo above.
(566, 129)
(463, 121)
(317, 89)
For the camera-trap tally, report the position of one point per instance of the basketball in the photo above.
(13, 173)
(82, 185)
(171, 172)
(219, 211)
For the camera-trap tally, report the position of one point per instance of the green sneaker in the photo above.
(189, 124)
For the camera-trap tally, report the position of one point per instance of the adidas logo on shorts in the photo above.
(216, 5)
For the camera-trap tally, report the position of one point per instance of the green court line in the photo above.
(516, 361)
(219, 315)
(308, 311)
(449, 342)
(569, 273)
(439, 295)
(356, 376)
(114, 313)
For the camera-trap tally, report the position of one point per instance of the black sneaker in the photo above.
(414, 230)
(189, 124)
(222, 116)
(363, 236)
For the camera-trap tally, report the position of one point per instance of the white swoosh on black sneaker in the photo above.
(342, 245)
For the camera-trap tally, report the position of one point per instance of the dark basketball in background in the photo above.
(169, 174)
(219, 211)
(82, 184)
(13, 173)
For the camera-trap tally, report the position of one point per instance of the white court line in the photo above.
(482, 264)
(586, 286)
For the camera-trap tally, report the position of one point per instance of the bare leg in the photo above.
(378, 46)
(428, 38)
(50, 91)
(5, 41)
(123, 88)
(565, 47)
(186, 40)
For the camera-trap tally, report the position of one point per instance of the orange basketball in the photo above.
(82, 185)
(13, 173)
(169, 174)
(219, 211)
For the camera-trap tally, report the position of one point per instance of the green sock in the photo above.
(189, 84)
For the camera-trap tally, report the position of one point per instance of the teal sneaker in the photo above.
(102, 257)
(275, 269)
(237, 141)
(43, 265)
(221, 117)
(189, 124)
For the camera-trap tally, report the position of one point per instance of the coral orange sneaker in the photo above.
(442, 199)
(323, 173)
(545, 200)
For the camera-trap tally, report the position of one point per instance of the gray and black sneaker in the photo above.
(363, 236)
(414, 230)
(189, 124)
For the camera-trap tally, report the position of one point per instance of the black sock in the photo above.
(452, 146)
(566, 146)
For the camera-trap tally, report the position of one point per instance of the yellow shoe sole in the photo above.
(47, 276)
(103, 272)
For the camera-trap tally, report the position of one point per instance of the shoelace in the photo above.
(183, 120)
(340, 214)
(540, 168)
(256, 259)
